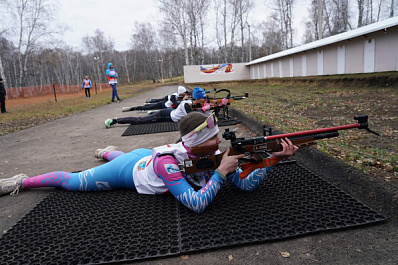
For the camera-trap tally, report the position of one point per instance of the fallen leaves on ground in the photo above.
(285, 254)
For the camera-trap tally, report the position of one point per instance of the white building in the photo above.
(372, 48)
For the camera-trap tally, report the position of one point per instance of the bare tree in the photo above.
(7, 52)
(169, 49)
(368, 12)
(2, 32)
(315, 24)
(196, 11)
(244, 6)
(393, 6)
(100, 49)
(34, 19)
(285, 11)
(227, 16)
(143, 40)
(272, 35)
(340, 18)
(361, 4)
(221, 21)
(125, 55)
(176, 16)
(188, 18)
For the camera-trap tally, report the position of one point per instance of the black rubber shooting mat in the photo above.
(159, 127)
(114, 226)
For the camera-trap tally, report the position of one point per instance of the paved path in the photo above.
(68, 144)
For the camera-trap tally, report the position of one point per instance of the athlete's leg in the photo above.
(112, 175)
(158, 105)
(117, 96)
(113, 92)
(154, 100)
(154, 117)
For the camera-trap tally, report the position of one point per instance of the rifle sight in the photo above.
(362, 120)
(227, 135)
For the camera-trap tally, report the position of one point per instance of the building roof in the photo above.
(382, 25)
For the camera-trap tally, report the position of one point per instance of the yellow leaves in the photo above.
(285, 254)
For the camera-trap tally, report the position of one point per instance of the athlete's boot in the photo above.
(110, 122)
(12, 185)
(99, 153)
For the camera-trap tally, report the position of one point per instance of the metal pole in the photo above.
(161, 69)
(98, 71)
(99, 74)
(55, 95)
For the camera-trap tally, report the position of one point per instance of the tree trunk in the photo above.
(2, 74)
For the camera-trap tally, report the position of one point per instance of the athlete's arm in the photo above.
(166, 167)
(252, 181)
(174, 101)
(187, 107)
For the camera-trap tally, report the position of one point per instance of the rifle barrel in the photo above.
(331, 129)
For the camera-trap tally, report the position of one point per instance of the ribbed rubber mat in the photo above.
(114, 226)
(156, 127)
(159, 127)
(292, 201)
(93, 227)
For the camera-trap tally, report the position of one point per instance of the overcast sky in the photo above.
(116, 18)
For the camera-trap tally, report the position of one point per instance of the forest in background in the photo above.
(160, 50)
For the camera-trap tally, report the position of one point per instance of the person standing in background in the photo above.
(87, 85)
(112, 78)
(2, 97)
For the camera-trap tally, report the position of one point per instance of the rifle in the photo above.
(255, 146)
(215, 102)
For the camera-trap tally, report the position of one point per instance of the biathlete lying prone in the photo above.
(170, 101)
(157, 171)
(165, 115)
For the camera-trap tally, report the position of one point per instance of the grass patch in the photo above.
(297, 104)
(27, 112)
